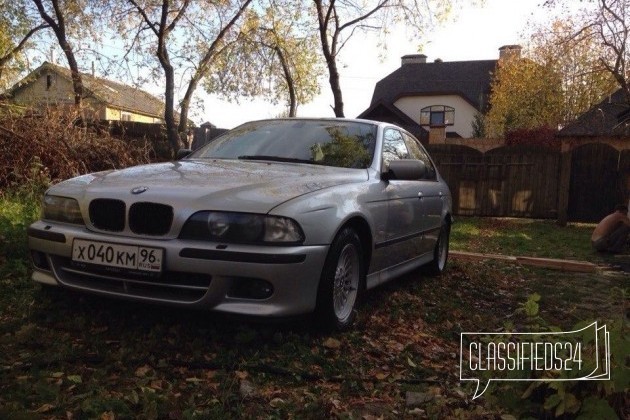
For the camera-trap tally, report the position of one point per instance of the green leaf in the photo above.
(531, 308)
(75, 379)
(552, 401)
(530, 389)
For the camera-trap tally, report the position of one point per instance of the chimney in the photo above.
(508, 51)
(413, 59)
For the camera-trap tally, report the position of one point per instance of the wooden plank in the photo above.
(550, 263)
(564, 265)
(475, 256)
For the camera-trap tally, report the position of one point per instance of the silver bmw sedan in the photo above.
(274, 218)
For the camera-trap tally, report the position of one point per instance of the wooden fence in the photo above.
(517, 181)
(526, 181)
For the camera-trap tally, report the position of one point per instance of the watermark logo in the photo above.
(580, 355)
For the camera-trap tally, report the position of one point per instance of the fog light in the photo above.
(39, 260)
(249, 288)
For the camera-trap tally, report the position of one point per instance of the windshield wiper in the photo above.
(276, 159)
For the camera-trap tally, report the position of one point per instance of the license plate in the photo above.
(115, 255)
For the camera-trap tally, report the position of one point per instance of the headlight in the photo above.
(242, 228)
(61, 209)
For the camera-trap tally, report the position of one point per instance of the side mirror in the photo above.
(405, 170)
(182, 153)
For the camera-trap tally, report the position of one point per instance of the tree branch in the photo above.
(8, 56)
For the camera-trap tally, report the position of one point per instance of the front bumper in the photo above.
(195, 274)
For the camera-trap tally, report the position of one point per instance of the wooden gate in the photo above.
(597, 184)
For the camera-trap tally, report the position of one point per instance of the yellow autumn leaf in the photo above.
(45, 408)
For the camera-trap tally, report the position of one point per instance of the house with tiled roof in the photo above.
(435, 99)
(51, 85)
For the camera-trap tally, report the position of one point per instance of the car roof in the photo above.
(356, 120)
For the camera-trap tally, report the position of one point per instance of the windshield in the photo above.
(345, 144)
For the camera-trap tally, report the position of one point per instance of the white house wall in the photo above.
(464, 112)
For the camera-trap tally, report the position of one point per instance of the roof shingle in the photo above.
(468, 79)
(608, 118)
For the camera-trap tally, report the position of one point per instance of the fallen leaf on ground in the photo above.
(45, 408)
(332, 343)
(142, 371)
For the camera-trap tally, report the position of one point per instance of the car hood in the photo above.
(225, 185)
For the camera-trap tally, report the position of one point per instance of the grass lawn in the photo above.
(65, 355)
(524, 237)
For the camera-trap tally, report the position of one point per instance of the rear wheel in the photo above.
(340, 282)
(440, 253)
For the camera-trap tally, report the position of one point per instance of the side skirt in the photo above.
(387, 274)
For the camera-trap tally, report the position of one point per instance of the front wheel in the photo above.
(340, 282)
(440, 253)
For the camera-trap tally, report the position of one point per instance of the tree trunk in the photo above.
(288, 77)
(169, 109)
(169, 96)
(185, 104)
(169, 99)
(162, 34)
(59, 28)
(330, 55)
(336, 88)
(77, 81)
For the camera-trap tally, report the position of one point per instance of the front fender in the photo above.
(322, 213)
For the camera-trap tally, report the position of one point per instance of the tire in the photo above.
(440, 253)
(340, 283)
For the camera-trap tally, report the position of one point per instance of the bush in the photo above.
(543, 137)
(39, 150)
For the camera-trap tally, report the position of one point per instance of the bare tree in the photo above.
(609, 23)
(339, 20)
(612, 24)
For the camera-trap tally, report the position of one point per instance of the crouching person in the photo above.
(611, 234)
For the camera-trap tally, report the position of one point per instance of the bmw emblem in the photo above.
(138, 190)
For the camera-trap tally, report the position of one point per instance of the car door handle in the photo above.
(420, 195)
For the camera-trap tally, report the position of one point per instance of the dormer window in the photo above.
(49, 81)
(437, 116)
